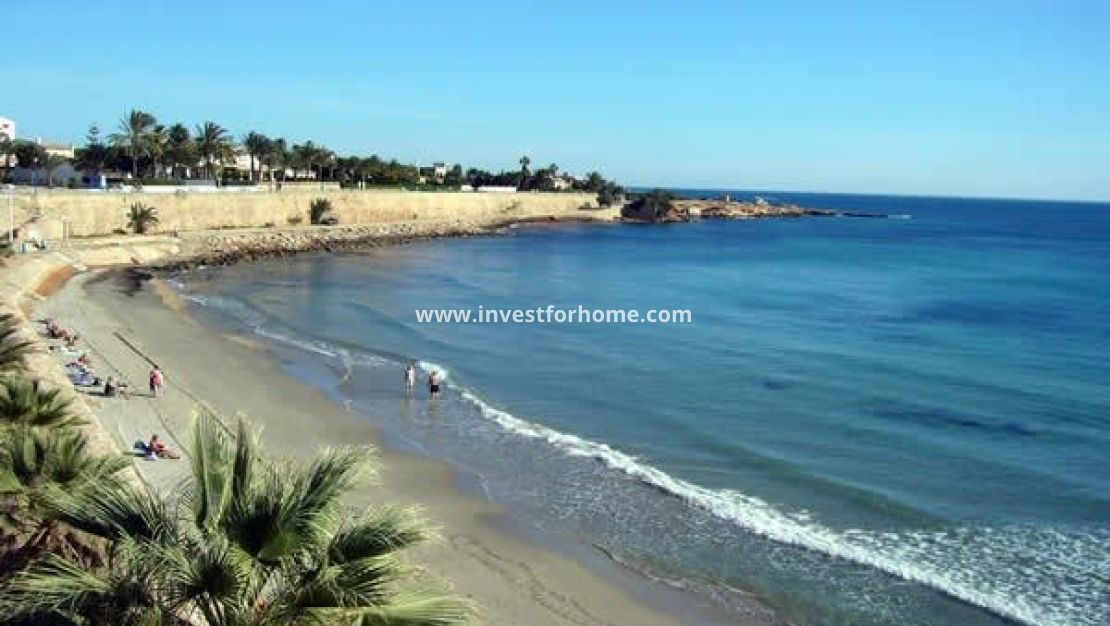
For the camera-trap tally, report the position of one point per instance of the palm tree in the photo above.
(158, 145)
(317, 209)
(276, 157)
(13, 348)
(249, 542)
(27, 402)
(133, 136)
(257, 145)
(524, 173)
(181, 150)
(141, 217)
(212, 144)
(33, 463)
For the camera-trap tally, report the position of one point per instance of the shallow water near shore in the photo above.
(869, 421)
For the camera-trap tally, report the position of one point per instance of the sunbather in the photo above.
(159, 449)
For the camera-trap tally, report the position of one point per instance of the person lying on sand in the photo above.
(158, 449)
(81, 375)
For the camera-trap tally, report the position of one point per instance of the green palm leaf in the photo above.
(380, 531)
(28, 402)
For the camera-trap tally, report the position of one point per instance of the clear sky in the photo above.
(981, 97)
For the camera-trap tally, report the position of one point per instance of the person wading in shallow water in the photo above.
(433, 384)
(410, 378)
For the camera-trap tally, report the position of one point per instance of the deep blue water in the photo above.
(869, 421)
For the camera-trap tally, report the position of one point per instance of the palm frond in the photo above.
(52, 585)
(115, 510)
(380, 531)
(211, 456)
(418, 608)
(27, 401)
(13, 348)
(328, 477)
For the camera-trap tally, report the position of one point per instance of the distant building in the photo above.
(7, 128)
(561, 183)
(437, 172)
(64, 150)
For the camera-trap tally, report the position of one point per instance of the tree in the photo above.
(13, 347)
(133, 136)
(609, 194)
(318, 209)
(181, 151)
(6, 146)
(454, 176)
(141, 217)
(158, 145)
(525, 175)
(277, 157)
(257, 146)
(50, 164)
(248, 542)
(212, 144)
(29, 154)
(95, 154)
(656, 206)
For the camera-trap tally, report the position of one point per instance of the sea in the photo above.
(867, 421)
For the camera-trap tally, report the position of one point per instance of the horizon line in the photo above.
(939, 196)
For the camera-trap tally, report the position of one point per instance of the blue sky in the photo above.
(1007, 98)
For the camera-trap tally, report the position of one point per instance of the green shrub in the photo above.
(317, 209)
(141, 218)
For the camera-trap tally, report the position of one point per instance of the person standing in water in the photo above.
(410, 377)
(433, 383)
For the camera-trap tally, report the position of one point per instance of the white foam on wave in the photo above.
(428, 367)
(991, 568)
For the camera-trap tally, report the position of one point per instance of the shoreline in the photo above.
(514, 577)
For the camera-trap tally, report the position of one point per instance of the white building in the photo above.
(7, 128)
(64, 150)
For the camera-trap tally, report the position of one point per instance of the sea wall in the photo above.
(88, 214)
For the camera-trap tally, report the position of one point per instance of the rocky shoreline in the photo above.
(220, 248)
(237, 246)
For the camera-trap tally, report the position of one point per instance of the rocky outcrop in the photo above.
(648, 214)
(748, 210)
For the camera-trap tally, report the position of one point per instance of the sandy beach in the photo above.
(511, 580)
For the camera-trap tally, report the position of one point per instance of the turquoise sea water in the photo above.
(869, 421)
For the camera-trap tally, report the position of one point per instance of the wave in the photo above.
(1013, 571)
(987, 567)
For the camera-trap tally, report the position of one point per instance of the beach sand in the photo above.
(511, 580)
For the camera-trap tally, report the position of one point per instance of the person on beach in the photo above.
(156, 382)
(113, 388)
(410, 377)
(433, 383)
(159, 449)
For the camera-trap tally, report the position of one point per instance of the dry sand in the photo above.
(513, 581)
